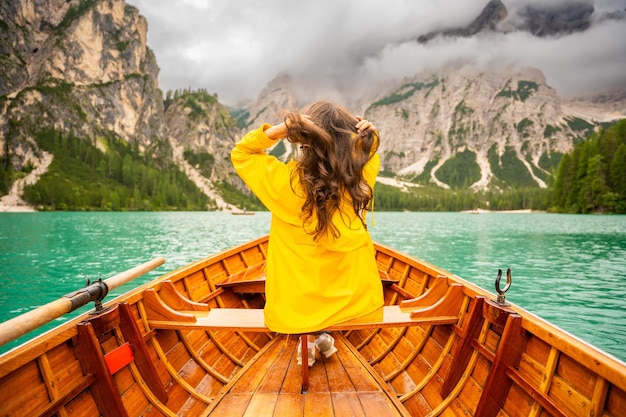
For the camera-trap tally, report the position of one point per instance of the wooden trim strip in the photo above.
(249, 341)
(150, 395)
(401, 291)
(225, 350)
(540, 397)
(490, 356)
(60, 402)
(598, 400)
(424, 283)
(366, 340)
(546, 379)
(48, 377)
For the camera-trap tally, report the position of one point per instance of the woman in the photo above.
(320, 268)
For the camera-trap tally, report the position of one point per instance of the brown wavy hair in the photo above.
(330, 164)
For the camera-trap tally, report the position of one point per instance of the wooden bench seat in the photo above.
(252, 320)
(444, 309)
(428, 309)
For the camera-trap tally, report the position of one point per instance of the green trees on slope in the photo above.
(82, 177)
(433, 198)
(592, 178)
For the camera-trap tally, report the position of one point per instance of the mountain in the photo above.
(82, 117)
(538, 19)
(82, 69)
(79, 66)
(202, 132)
(462, 127)
(275, 98)
(508, 125)
(489, 19)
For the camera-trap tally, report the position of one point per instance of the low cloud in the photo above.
(234, 48)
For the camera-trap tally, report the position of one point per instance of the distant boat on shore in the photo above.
(479, 211)
(242, 213)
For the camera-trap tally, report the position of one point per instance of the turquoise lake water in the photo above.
(567, 269)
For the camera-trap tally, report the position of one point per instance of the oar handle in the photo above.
(20, 325)
(126, 276)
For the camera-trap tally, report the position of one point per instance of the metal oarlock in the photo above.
(93, 291)
(501, 298)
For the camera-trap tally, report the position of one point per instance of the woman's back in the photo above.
(320, 268)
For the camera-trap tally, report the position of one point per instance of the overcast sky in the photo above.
(235, 47)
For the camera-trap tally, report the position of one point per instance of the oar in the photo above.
(20, 325)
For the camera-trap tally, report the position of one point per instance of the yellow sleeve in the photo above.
(267, 177)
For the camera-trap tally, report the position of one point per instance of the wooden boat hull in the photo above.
(144, 356)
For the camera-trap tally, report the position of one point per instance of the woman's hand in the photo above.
(277, 131)
(280, 131)
(362, 125)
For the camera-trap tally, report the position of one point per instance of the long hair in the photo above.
(330, 165)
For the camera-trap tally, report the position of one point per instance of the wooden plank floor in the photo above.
(341, 385)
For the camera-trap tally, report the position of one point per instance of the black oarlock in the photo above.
(93, 291)
(501, 291)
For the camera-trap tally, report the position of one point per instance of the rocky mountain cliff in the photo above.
(83, 67)
(495, 116)
(202, 132)
(80, 66)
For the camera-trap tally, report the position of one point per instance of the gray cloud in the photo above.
(234, 48)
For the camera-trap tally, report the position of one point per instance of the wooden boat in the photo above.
(193, 343)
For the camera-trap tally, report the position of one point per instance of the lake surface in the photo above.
(567, 269)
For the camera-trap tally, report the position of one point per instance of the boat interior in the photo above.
(193, 343)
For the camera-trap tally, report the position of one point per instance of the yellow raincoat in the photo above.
(310, 285)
